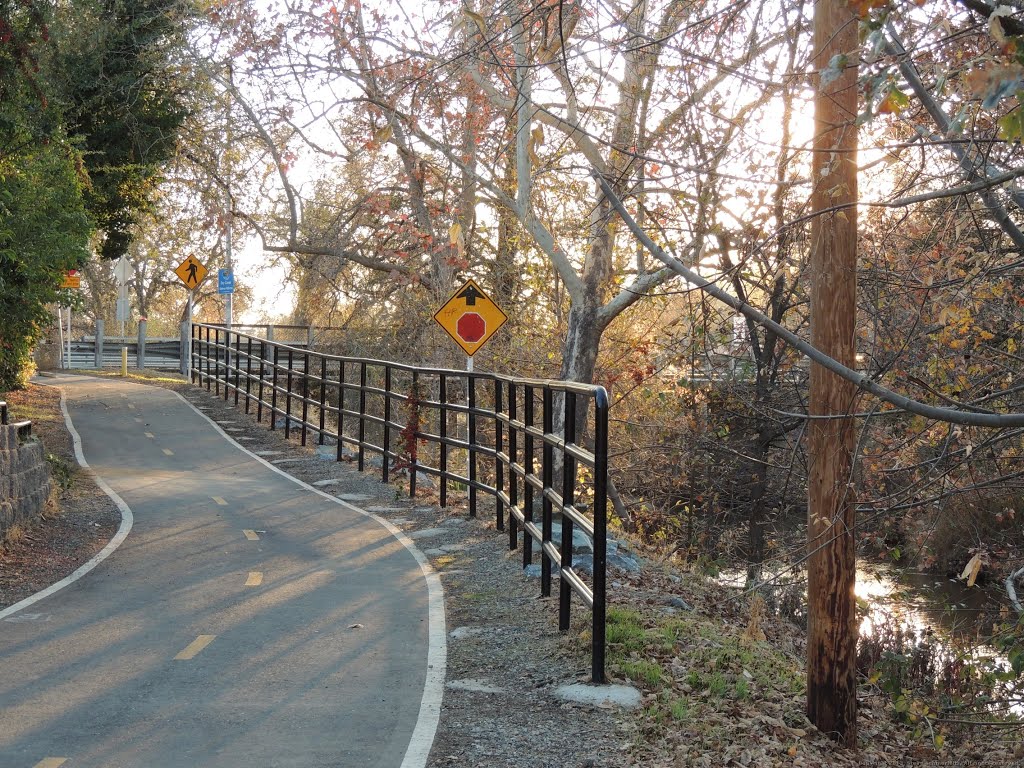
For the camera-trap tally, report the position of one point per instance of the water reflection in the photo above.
(924, 603)
(939, 624)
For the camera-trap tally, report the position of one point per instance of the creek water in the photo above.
(921, 602)
(945, 612)
(925, 602)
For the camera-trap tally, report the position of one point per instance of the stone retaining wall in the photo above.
(24, 479)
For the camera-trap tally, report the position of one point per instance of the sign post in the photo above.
(226, 287)
(60, 337)
(72, 280)
(191, 272)
(186, 340)
(123, 272)
(470, 318)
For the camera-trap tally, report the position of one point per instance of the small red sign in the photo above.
(471, 327)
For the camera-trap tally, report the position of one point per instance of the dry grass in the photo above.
(15, 535)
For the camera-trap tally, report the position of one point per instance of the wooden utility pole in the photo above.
(832, 626)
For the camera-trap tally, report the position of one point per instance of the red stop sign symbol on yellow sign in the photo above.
(470, 317)
(471, 327)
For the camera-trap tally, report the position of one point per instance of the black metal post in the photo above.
(442, 430)
(215, 356)
(387, 423)
(547, 471)
(259, 389)
(227, 362)
(471, 401)
(248, 372)
(499, 466)
(513, 478)
(528, 468)
(568, 496)
(413, 422)
(323, 395)
(193, 343)
(600, 533)
(305, 395)
(238, 367)
(209, 384)
(341, 409)
(273, 389)
(362, 415)
(288, 395)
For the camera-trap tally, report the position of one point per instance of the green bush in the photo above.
(43, 233)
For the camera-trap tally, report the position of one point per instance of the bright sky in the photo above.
(273, 295)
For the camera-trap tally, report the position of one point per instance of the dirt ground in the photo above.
(78, 522)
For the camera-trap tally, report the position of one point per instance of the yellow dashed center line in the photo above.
(150, 435)
(220, 501)
(51, 762)
(168, 452)
(255, 579)
(250, 534)
(195, 647)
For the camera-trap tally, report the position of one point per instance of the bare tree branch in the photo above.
(860, 380)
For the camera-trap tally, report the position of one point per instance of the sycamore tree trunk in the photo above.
(582, 340)
(832, 627)
(588, 315)
(579, 362)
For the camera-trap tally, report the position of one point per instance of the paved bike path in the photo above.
(245, 621)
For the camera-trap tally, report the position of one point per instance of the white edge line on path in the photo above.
(437, 636)
(127, 520)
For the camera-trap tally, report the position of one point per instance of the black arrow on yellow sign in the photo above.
(470, 294)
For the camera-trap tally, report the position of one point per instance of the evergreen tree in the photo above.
(125, 98)
(90, 107)
(44, 230)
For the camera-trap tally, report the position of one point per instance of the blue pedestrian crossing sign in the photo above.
(225, 281)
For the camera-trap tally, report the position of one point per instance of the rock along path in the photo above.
(246, 620)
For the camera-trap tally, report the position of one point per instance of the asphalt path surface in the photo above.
(245, 621)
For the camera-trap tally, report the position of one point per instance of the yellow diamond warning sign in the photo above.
(191, 272)
(470, 317)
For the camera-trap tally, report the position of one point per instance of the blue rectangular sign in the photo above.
(225, 281)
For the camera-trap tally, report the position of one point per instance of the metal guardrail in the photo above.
(24, 427)
(509, 427)
(160, 354)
